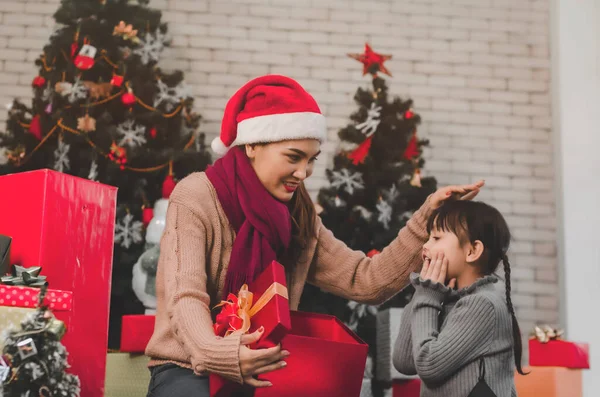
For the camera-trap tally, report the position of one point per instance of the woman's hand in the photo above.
(259, 361)
(456, 192)
(436, 269)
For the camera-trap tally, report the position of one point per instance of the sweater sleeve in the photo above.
(469, 329)
(402, 356)
(352, 275)
(183, 253)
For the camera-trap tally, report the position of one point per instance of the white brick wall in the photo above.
(477, 70)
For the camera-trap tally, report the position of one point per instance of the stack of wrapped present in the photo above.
(555, 366)
(65, 226)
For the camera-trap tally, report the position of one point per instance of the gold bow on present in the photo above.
(545, 333)
(237, 310)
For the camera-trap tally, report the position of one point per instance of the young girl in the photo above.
(460, 331)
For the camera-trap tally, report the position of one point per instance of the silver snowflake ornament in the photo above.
(171, 96)
(132, 134)
(61, 157)
(385, 213)
(347, 180)
(77, 91)
(391, 194)
(369, 126)
(128, 231)
(151, 46)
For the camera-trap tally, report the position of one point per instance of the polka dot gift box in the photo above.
(28, 297)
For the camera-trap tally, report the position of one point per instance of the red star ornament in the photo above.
(372, 61)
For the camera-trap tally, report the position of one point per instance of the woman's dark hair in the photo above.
(471, 221)
(304, 216)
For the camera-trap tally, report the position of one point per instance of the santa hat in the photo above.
(269, 109)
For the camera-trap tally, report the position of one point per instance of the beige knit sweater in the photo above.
(195, 250)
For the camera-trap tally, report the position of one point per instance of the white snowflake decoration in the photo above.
(364, 213)
(77, 91)
(47, 93)
(151, 46)
(359, 310)
(128, 231)
(385, 213)
(369, 126)
(133, 134)
(391, 194)
(349, 181)
(61, 159)
(93, 175)
(171, 96)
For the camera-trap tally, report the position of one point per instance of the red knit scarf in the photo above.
(262, 223)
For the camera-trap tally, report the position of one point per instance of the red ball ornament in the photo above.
(372, 253)
(128, 98)
(35, 127)
(147, 215)
(38, 82)
(409, 115)
(168, 186)
(153, 132)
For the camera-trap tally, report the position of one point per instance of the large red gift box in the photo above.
(326, 358)
(66, 225)
(559, 353)
(136, 331)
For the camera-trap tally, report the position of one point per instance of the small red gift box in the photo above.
(136, 331)
(18, 296)
(559, 353)
(406, 388)
(274, 316)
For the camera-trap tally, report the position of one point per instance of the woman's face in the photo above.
(281, 166)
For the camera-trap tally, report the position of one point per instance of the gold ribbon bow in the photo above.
(545, 333)
(247, 308)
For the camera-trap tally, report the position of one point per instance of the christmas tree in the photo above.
(375, 186)
(103, 110)
(33, 361)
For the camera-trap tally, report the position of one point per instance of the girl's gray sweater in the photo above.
(444, 333)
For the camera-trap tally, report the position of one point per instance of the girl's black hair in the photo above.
(471, 221)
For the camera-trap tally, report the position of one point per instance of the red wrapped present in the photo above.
(136, 331)
(264, 303)
(406, 388)
(66, 225)
(559, 353)
(326, 360)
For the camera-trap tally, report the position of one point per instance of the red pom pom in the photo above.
(38, 81)
(128, 99)
(168, 186)
(35, 127)
(147, 215)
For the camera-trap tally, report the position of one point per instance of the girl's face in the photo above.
(281, 166)
(449, 244)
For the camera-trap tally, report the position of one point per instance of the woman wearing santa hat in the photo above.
(225, 225)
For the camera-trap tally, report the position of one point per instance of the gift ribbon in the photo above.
(545, 334)
(238, 310)
(25, 276)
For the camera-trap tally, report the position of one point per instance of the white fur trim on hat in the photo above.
(218, 146)
(281, 127)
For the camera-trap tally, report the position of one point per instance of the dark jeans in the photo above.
(170, 380)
